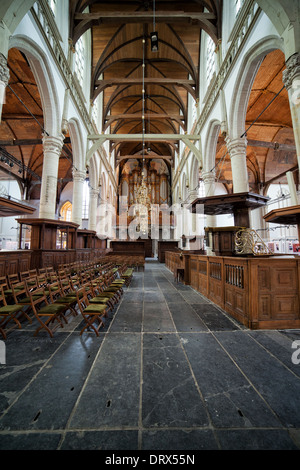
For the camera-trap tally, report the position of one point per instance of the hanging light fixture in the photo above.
(142, 192)
(154, 34)
(154, 41)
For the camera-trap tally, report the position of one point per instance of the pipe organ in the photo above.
(157, 182)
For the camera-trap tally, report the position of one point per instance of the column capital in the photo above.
(53, 143)
(94, 193)
(292, 70)
(208, 176)
(4, 70)
(193, 194)
(236, 146)
(78, 175)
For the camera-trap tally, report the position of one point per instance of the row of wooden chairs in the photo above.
(10, 279)
(136, 262)
(50, 296)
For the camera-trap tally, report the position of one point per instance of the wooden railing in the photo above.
(258, 292)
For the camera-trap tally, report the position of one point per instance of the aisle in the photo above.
(170, 371)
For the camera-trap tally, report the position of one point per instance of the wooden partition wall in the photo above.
(15, 261)
(56, 242)
(261, 293)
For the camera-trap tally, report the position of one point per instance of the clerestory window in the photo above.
(53, 6)
(238, 6)
(79, 60)
(210, 61)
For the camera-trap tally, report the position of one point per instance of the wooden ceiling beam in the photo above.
(147, 117)
(281, 175)
(19, 116)
(271, 145)
(139, 157)
(139, 137)
(145, 16)
(16, 142)
(134, 81)
(185, 83)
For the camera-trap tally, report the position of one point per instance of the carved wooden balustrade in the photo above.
(261, 293)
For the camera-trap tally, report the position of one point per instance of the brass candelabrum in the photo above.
(143, 202)
(248, 241)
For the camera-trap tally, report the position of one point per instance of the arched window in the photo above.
(210, 61)
(95, 112)
(66, 211)
(238, 5)
(52, 5)
(79, 60)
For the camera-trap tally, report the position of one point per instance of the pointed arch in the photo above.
(244, 81)
(77, 144)
(194, 173)
(13, 11)
(210, 145)
(41, 69)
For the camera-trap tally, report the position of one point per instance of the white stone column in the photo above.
(193, 218)
(52, 147)
(4, 78)
(78, 180)
(237, 151)
(93, 208)
(291, 80)
(209, 180)
(257, 221)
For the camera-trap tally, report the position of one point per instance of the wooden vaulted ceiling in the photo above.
(22, 130)
(271, 150)
(169, 75)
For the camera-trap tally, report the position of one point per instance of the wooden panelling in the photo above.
(259, 292)
(141, 247)
(12, 262)
(194, 272)
(164, 246)
(277, 291)
(2, 265)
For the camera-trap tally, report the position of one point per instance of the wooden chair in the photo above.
(50, 273)
(113, 286)
(42, 271)
(31, 282)
(49, 316)
(41, 280)
(97, 298)
(8, 313)
(24, 275)
(13, 279)
(53, 289)
(67, 298)
(69, 291)
(91, 313)
(112, 295)
(63, 276)
(21, 297)
(3, 282)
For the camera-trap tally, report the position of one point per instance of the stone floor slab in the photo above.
(169, 371)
